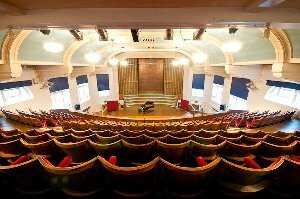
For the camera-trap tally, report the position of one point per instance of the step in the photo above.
(140, 99)
(147, 95)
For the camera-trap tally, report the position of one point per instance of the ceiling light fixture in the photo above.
(199, 57)
(92, 57)
(113, 61)
(232, 46)
(175, 62)
(53, 46)
(183, 61)
(123, 63)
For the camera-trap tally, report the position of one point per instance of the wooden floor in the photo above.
(159, 112)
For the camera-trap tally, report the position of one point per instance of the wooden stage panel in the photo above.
(151, 76)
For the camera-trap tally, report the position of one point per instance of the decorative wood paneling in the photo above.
(151, 76)
(128, 78)
(173, 78)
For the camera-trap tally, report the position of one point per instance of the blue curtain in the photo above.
(81, 79)
(17, 84)
(198, 81)
(239, 87)
(218, 80)
(283, 84)
(60, 83)
(102, 82)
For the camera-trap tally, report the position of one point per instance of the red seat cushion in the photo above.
(251, 163)
(201, 162)
(112, 105)
(65, 162)
(295, 159)
(21, 159)
(185, 105)
(112, 160)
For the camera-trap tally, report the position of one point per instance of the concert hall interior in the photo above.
(149, 99)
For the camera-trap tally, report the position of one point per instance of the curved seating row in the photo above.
(174, 149)
(158, 175)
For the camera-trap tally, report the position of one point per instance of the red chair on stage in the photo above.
(112, 106)
(184, 104)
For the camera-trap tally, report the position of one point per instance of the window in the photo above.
(83, 92)
(104, 93)
(197, 92)
(236, 103)
(217, 93)
(15, 95)
(61, 99)
(285, 96)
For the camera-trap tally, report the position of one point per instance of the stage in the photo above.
(159, 112)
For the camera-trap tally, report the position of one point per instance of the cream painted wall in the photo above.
(258, 73)
(42, 98)
(256, 101)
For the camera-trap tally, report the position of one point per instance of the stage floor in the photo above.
(159, 112)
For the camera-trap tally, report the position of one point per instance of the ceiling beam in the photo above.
(11, 10)
(103, 36)
(77, 34)
(263, 4)
(153, 18)
(169, 34)
(197, 35)
(135, 35)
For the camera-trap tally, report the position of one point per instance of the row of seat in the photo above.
(16, 133)
(173, 149)
(31, 120)
(82, 121)
(256, 119)
(38, 175)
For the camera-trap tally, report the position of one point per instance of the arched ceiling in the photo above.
(294, 36)
(2, 36)
(255, 48)
(32, 49)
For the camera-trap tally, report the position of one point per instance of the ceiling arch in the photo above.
(213, 46)
(254, 46)
(167, 53)
(32, 49)
(294, 36)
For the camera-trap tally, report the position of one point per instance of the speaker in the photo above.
(77, 106)
(222, 107)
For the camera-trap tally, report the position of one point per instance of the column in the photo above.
(187, 82)
(208, 85)
(226, 91)
(94, 94)
(73, 92)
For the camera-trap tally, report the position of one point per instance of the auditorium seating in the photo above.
(187, 182)
(79, 180)
(165, 162)
(239, 179)
(132, 182)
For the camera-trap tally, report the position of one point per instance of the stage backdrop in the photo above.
(128, 78)
(173, 78)
(150, 76)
